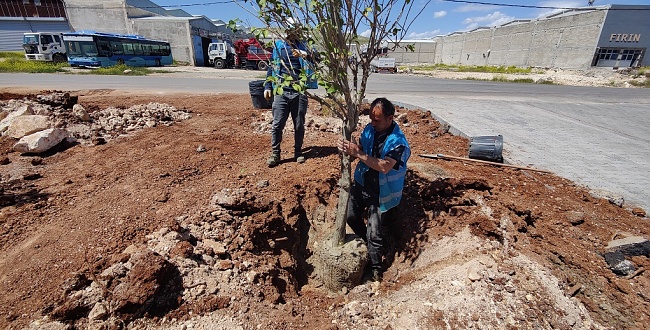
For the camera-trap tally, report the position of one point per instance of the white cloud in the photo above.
(423, 35)
(474, 7)
(412, 35)
(439, 14)
(559, 4)
(493, 19)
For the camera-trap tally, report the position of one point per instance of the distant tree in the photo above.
(335, 29)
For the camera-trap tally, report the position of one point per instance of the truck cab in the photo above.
(44, 46)
(221, 55)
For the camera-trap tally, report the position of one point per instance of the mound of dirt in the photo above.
(176, 222)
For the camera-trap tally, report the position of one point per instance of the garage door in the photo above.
(11, 30)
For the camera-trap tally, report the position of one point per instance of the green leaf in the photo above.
(232, 24)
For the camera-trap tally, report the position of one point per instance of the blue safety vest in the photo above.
(391, 184)
(281, 46)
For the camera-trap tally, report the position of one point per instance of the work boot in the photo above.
(300, 159)
(273, 160)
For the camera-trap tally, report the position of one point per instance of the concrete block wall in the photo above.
(180, 40)
(450, 49)
(475, 48)
(101, 16)
(423, 52)
(565, 41)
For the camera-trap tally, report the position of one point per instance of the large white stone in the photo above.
(41, 141)
(80, 112)
(20, 111)
(26, 125)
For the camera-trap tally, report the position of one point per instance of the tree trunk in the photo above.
(344, 184)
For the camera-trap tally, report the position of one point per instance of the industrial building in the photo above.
(188, 35)
(607, 36)
(604, 36)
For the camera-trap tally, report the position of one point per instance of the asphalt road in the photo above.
(595, 136)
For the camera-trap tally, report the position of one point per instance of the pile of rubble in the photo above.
(202, 263)
(44, 121)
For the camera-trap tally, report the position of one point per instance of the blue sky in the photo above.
(439, 17)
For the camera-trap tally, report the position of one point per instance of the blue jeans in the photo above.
(294, 103)
(358, 202)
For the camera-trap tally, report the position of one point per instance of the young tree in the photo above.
(336, 30)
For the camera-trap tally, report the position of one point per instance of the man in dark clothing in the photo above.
(378, 178)
(290, 57)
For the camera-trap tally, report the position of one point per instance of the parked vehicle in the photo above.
(44, 46)
(221, 55)
(96, 49)
(244, 53)
(383, 64)
(251, 54)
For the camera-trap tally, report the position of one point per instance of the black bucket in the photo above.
(488, 148)
(256, 88)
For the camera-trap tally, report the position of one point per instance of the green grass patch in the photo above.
(645, 83)
(473, 68)
(14, 55)
(506, 80)
(23, 65)
(494, 69)
(516, 80)
(11, 62)
(117, 70)
(643, 72)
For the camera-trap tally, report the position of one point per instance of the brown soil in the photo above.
(179, 225)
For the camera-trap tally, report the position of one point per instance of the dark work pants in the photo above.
(358, 202)
(294, 104)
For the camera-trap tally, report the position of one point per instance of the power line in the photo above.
(642, 7)
(538, 7)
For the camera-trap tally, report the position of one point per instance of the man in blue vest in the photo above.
(290, 57)
(378, 178)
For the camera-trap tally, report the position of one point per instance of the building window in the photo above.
(625, 57)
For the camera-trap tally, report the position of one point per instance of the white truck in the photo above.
(221, 55)
(383, 64)
(44, 46)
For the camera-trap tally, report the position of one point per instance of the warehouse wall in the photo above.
(565, 41)
(180, 40)
(626, 28)
(424, 52)
(105, 16)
